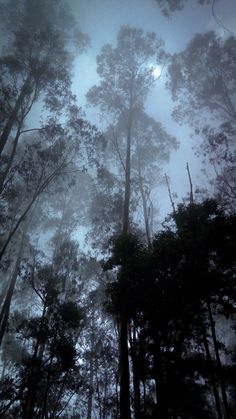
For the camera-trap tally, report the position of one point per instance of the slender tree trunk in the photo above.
(58, 398)
(48, 385)
(33, 384)
(127, 182)
(4, 364)
(160, 384)
(124, 372)
(91, 387)
(218, 363)
(38, 192)
(213, 378)
(144, 202)
(3, 176)
(124, 355)
(136, 383)
(5, 310)
(14, 114)
(104, 404)
(144, 399)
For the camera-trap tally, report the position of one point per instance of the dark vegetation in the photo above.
(104, 315)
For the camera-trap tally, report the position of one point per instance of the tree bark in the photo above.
(3, 176)
(32, 385)
(144, 202)
(162, 410)
(5, 310)
(218, 363)
(127, 181)
(213, 378)
(38, 192)
(136, 381)
(91, 381)
(14, 114)
(123, 339)
(124, 372)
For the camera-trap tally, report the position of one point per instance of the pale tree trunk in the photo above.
(124, 371)
(5, 310)
(41, 188)
(7, 169)
(136, 380)
(123, 339)
(3, 176)
(91, 376)
(127, 182)
(144, 201)
(26, 88)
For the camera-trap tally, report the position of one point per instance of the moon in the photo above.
(156, 71)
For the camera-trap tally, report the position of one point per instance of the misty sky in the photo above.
(101, 19)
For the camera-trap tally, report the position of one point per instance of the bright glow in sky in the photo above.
(101, 19)
(156, 71)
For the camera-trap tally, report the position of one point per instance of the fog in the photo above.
(102, 21)
(117, 209)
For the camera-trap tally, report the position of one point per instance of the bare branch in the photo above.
(219, 21)
(169, 191)
(190, 183)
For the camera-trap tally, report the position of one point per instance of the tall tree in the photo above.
(41, 36)
(126, 78)
(202, 79)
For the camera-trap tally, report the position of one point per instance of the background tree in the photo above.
(202, 82)
(169, 6)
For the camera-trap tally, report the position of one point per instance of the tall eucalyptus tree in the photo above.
(126, 77)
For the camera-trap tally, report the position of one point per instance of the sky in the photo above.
(101, 20)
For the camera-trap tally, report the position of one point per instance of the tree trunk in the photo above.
(136, 383)
(48, 385)
(124, 372)
(144, 202)
(162, 410)
(5, 310)
(144, 398)
(124, 355)
(32, 384)
(37, 193)
(91, 385)
(10, 161)
(14, 114)
(218, 363)
(127, 182)
(213, 378)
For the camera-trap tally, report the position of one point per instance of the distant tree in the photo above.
(202, 82)
(126, 78)
(37, 64)
(169, 6)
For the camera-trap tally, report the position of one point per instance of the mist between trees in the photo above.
(105, 311)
